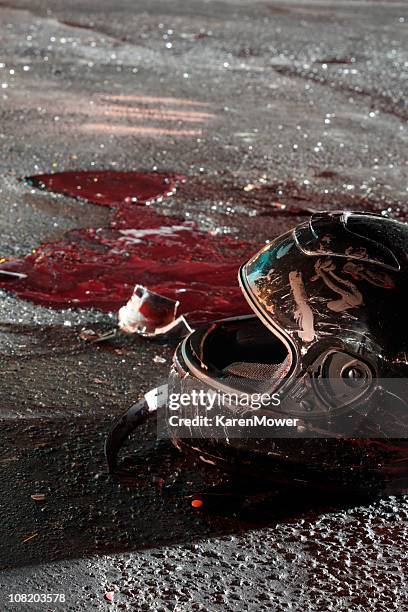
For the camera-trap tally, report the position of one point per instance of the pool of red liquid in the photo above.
(98, 267)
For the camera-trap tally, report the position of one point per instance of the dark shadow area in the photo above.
(87, 512)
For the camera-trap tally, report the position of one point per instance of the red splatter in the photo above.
(109, 187)
(99, 267)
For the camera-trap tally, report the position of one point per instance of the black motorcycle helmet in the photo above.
(330, 336)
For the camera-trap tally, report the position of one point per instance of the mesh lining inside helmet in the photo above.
(257, 371)
(255, 377)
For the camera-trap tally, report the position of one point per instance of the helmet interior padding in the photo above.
(240, 348)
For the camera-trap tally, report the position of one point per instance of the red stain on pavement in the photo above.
(109, 187)
(98, 267)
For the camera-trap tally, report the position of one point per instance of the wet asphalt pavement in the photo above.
(308, 98)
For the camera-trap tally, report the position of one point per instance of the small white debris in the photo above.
(158, 359)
